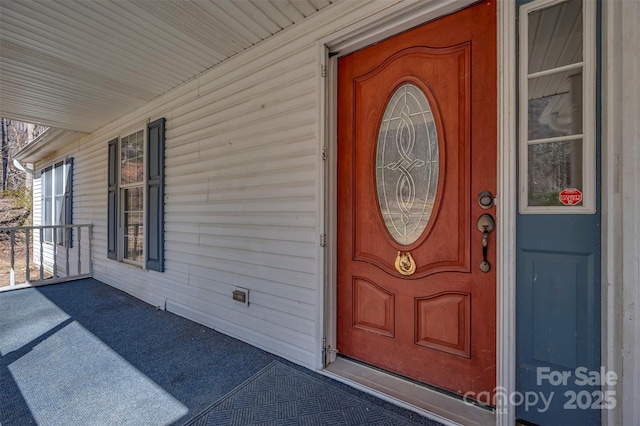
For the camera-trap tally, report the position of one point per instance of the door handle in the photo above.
(486, 224)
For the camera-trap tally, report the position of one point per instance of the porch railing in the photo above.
(46, 254)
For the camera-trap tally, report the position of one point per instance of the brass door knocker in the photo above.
(405, 263)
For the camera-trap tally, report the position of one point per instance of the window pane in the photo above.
(555, 105)
(47, 202)
(58, 176)
(133, 223)
(554, 167)
(47, 217)
(47, 183)
(132, 150)
(58, 218)
(555, 36)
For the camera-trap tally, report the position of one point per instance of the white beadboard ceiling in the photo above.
(79, 64)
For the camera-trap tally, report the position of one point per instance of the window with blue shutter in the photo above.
(135, 225)
(112, 201)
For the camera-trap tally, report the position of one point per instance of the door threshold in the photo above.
(407, 394)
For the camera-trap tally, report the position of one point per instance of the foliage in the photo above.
(16, 135)
(550, 198)
(22, 199)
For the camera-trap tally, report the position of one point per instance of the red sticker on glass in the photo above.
(570, 196)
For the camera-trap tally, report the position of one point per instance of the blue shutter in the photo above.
(46, 183)
(155, 195)
(112, 203)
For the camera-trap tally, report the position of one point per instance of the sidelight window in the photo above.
(557, 107)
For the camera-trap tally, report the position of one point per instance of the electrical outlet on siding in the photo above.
(241, 295)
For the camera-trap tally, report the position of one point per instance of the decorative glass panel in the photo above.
(407, 164)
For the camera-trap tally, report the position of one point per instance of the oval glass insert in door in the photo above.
(407, 164)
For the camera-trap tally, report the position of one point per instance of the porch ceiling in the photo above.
(79, 64)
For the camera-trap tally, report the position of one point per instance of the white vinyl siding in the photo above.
(49, 208)
(242, 195)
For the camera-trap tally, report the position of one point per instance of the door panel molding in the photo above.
(367, 296)
(454, 253)
(450, 308)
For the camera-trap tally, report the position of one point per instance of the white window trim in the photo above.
(128, 132)
(588, 118)
(621, 206)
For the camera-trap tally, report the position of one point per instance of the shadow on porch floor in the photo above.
(84, 353)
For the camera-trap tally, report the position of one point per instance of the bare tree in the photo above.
(15, 136)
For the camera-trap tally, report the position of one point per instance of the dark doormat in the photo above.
(280, 395)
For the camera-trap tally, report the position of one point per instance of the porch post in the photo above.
(630, 181)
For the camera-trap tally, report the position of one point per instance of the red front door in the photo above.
(416, 146)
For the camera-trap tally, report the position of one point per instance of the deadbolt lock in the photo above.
(485, 199)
